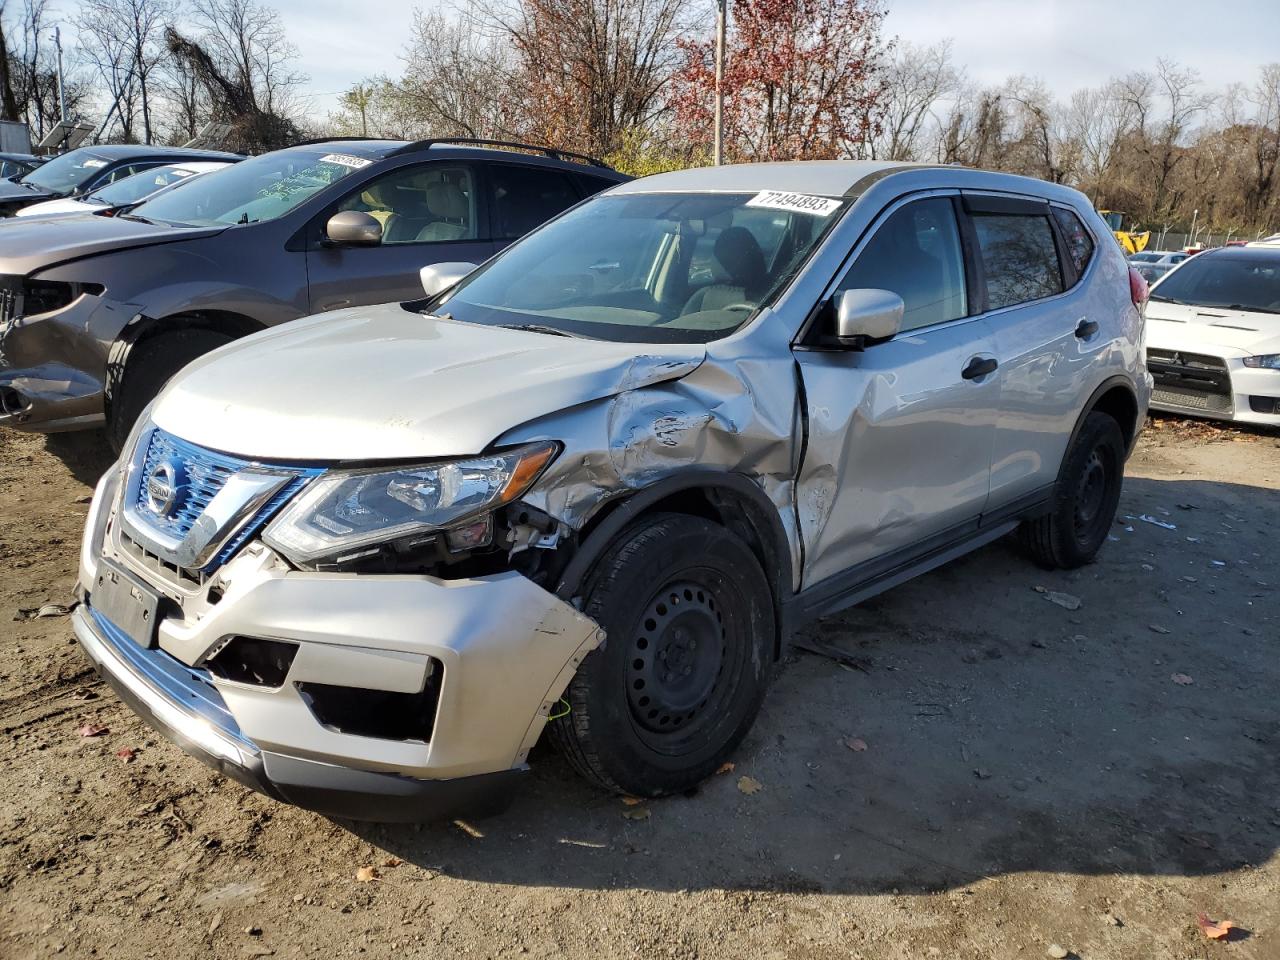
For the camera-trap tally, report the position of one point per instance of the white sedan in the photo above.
(126, 192)
(1213, 336)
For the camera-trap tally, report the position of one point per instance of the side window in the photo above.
(121, 173)
(525, 197)
(431, 203)
(1019, 258)
(1079, 243)
(916, 254)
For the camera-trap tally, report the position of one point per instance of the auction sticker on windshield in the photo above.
(797, 202)
(345, 160)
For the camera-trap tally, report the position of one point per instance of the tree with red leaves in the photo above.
(803, 79)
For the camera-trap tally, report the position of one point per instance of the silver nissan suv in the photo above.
(363, 562)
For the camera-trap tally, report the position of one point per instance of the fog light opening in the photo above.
(376, 713)
(252, 660)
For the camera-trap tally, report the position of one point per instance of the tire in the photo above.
(1084, 501)
(689, 630)
(149, 366)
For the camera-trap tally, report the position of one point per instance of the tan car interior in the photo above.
(420, 205)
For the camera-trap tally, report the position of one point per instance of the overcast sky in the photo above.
(1070, 43)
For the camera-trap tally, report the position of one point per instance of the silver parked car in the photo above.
(361, 563)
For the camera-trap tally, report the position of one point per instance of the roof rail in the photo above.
(554, 152)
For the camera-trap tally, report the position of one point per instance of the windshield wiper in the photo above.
(139, 219)
(1245, 309)
(1168, 300)
(544, 328)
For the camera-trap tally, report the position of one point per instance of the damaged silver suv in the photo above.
(362, 562)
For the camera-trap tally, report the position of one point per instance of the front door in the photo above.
(900, 434)
(430, 213)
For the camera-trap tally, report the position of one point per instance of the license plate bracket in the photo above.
(130, 605)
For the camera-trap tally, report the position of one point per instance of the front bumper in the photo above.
(506, 649)
(52, 366)
(1215, 384)
(177, 707)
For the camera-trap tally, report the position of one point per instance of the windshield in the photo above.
(1236, 283)
(132, 189)
(67, 173)
(657, 268)
(1145, 257)
(252, 191)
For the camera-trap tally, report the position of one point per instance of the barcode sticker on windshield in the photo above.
(94, 164)
(797, 202)
(345, 160)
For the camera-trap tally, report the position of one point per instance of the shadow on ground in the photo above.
(1004, 734)
(86, 453)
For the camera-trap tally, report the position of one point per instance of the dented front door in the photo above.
(899, 445)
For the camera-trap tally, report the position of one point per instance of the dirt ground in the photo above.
(1032, 775)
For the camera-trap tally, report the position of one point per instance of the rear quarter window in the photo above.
(1019, 258)
(1076, 235)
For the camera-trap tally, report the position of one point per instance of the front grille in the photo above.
(1192, 381)
(199, 474)
(1191, 399)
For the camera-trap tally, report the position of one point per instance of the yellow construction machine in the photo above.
(1131, 240)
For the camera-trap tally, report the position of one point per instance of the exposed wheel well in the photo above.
(740, 512)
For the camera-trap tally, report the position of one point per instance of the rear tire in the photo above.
(689, 629)
(1084, 501)
(150, 365)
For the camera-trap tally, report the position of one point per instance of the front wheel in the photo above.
(1085, 500)
(150, 365)
(689, 628)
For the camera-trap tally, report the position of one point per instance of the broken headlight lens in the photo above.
(1270, 361)
(46, 296)
(346, 510)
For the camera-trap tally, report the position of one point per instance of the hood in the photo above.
(1211, 329)
(12, 190)
(28, 244)
(60, 207)
(382, 383)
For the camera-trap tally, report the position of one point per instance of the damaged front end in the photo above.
(52, 360)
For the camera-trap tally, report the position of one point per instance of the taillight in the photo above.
(1138, 288)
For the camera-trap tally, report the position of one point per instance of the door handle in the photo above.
(979, 367)
(1086, 329)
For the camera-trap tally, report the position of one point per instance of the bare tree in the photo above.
(916, 82)
(588, 70)
(123, 39)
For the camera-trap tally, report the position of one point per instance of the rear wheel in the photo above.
(689, 626)
(1085, 500)
(150, 365)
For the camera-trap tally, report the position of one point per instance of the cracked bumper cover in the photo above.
(52, 366)
(507, 649)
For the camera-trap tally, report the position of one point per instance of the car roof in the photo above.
(128, 151)
(376, 149)
(837, 178)
(1269, 254)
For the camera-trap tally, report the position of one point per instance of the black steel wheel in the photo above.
(1085, 501)
(689, 622)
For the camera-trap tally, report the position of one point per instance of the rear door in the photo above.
(1047, 333)
(430, 212)
(523, 196)
(898, 454)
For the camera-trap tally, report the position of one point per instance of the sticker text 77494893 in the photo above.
(795, 202)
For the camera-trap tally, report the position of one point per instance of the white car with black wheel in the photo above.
(1213, 336)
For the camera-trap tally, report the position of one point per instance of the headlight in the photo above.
(1268, 360)
(46, 296)
(347, 510)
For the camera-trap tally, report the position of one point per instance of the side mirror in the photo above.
(439, 277)
(867, 314)
(353, 228)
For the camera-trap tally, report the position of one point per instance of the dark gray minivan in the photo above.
(97, 313)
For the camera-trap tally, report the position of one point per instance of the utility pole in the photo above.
(62, 94)
(722, 14)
